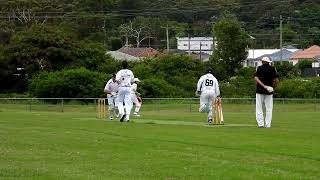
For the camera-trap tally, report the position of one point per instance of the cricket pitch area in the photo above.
(167, 142)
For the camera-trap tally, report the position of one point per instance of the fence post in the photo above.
(62, 105)
(190, 105)
(284, 108)
(30, 104)
(315, 105)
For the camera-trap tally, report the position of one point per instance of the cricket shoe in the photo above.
(122, 118)
(111, 118)
(127, 119)
(136, 114)
(210, 121)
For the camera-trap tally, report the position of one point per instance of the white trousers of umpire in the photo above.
(267, 100)
(207, 97)
(124, 96)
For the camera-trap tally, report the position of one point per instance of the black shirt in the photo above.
(266, 75)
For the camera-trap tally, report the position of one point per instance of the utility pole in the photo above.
(167, 33)
(104, 32)
(281, 37)
(167, 37)
(127, 40)
(200, 50)
(189, 52)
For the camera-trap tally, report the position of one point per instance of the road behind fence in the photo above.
(154, 104)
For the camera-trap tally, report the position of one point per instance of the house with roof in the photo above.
(133, 54)
(311, 54)
(255, 55)
(203, 57)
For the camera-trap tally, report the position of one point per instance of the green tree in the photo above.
(232, 41)
(304, 64)
(285, 69)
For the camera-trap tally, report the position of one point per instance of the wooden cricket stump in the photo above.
(101, 108)
(218, 114)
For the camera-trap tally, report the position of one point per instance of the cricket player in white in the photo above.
(134, 97)
(124, 78)
(208, 89)
(111, 89)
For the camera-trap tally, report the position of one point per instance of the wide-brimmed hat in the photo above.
(266, 59)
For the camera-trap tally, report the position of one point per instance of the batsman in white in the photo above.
(208, 89)
(111, 90)
(134, 97)
(124, 77)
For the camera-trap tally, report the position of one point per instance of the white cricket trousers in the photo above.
(208, 97)
(111, 104)
(124, 96)
(134, 100)
(267, 100)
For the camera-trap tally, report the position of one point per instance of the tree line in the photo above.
(44, 44)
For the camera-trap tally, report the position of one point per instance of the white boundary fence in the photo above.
(157, 104)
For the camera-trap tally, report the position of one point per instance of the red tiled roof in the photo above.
(309, 53)
(139, 52)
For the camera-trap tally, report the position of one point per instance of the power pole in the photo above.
(104, 32)
(189, 52)
(281, 37)
(167, 37)
(200, 50)
(167, 33)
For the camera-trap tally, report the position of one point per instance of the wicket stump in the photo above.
(101, 108)
(218, 114)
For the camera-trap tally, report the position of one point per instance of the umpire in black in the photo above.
(266, 78)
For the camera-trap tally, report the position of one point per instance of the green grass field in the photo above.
(168, 144)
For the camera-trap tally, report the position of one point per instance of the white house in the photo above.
(255, 55)
(195, 44)
(316, 63)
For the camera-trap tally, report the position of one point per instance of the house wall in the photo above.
(206, 44)
(316, 64)
(294, 62)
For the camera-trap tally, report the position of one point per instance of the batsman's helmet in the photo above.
(210, 70)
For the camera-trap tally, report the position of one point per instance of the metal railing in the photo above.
(154, 104)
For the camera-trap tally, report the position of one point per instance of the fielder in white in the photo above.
(111, 90)
(208, 89)
(266, 78)
(134, 97)
(124, 78)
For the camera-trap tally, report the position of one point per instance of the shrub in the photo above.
(299, 88)
(74, 83)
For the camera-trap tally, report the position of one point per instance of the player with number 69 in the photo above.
(208, 90)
